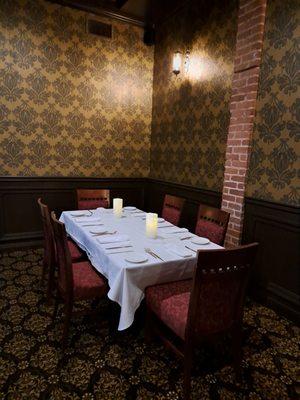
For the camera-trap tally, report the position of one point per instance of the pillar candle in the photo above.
(118, 206)
(151, 225)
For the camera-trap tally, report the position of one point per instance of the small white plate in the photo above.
(160, 220)
(200, 240)
(136, 258)
(129, 208)
(96, 231)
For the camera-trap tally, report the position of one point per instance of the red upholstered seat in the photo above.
(171, 214)
(87, 283)
(210, 230)
(92, 204)
(207, 307)
(75, 252)
(170, 302)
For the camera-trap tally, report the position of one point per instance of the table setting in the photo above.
(133, 249)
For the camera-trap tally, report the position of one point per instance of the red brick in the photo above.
(242, 107)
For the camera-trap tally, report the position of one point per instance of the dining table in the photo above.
(119, 248)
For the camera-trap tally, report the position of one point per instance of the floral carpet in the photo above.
(99, 365)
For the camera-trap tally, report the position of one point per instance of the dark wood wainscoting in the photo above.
(19, 216)
(276, 227)
(276, 278)
(20, 223)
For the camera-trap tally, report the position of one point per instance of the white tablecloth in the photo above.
(128, 281)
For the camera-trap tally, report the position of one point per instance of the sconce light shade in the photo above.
(177, 62)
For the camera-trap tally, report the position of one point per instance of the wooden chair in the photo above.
(172, 208)
(205, 308)
(49, 258)
(76, 282)
(212, 223)
(90, 199)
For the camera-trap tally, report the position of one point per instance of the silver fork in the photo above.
(190, 249)
(149, 251)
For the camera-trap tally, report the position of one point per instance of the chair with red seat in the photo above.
(212, 223)
(76, 281)
(205, 308)
(49, 258)
(88, 199)
(172, 209)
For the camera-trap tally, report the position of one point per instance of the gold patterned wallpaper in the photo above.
(72, 104)
(274, 173)
(191, 110)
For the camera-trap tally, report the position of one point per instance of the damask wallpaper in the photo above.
(274, 173)
(191, 110)
(71, 104)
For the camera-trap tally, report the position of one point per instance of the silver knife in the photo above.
(118, 247)
(92, 225)
(172, 233)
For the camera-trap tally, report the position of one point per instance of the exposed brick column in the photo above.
(251, 22)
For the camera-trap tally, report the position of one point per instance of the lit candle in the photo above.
(118, 206)
(151, 225)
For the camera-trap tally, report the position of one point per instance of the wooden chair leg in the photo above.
(68, 315)
(237, 350)
(188, 361)
(44, 270)
(148, 330)
(56, 303)
(50, 284)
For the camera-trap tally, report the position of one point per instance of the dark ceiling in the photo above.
(138, 12)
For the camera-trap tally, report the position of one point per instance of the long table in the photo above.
(127, 281)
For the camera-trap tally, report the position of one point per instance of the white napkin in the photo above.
(180, 251)
(102, 209)
(112, 238)
(86, 220)
(139, 214)
(79, 213)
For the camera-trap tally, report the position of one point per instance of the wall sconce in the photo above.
(177, 62)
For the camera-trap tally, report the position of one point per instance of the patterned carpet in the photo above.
(100, 366)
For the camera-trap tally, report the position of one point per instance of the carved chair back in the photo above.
(212, 223)
(172, 208)
(93, 198)
(218, 290)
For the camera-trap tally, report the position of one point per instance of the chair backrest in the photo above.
(212, 223)
(92, 198)
(218, 290)
(49, 247)
(172, 208)
(64, 261)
